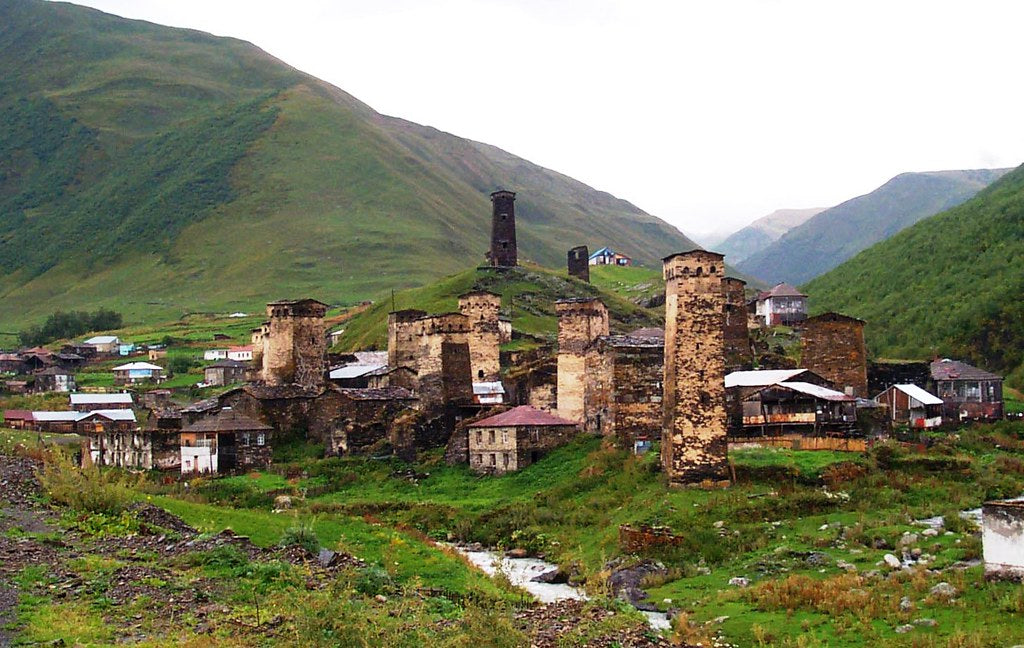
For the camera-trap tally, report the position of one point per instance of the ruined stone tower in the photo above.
(482, 309)
(693, 439)
(578, 263)
(443, 360)
(580, 322)
(738, 354)
(832, 346)
(295, 343)
(503, 252)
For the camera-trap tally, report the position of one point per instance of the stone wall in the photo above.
(295, 345)
(640, 539)
(738, 352)
(832, 346)
(503, 251)
(482, 309)
(623, 396)
(580, 322)
(693, 446)
(577, 261)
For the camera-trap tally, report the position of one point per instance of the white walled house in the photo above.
(240, 353)
(215, 354)
(783, 304)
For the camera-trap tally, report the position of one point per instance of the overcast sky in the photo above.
(708, 114)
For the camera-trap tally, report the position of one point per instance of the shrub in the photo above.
(886, 455)
(86, 489)
(301, 535)
(374, 580)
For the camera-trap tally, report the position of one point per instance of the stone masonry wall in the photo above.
(577, 262)
(738, 353)
(694, 447)
(580, 322)
(295, 348)
(832, 346)
(482, 309)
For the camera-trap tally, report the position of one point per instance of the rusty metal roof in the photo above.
(524, 415)
(227, 420)
(947, 369)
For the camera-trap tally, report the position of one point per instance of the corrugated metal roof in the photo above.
(134, 366)
(760, 378)
(79, 398)
(817, 391)
(354, 371)
(919, 394)
(74, 417)
(521, 416)
(17, 415)
(947, 369)
(102, 339)
(485, 388)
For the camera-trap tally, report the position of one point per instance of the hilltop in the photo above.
(949, 285)
(836, 234)
(158, 171)
(763, 232)
(528, 297)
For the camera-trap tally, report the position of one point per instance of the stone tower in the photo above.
(693, 438)
(580, 322)
(403, 338)
(832, 346)
(443, 362)
(503, 252)
(481, 308)
(578, 263)
(295, 344)
(738, 354)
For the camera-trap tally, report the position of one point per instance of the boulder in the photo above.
(739, 581)
(891, 561)
(943, 590)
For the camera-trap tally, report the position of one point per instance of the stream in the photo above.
(522, 571)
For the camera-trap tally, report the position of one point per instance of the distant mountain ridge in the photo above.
(838, 233)
(949, 285)
(763, 232)
(157, 171)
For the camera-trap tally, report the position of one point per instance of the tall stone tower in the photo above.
(832, 346)
(577, 261)
(503, 252)
(738, 354)
(580, 322)
(481, 308)
(693, 439)
(404, 338)
(295, 344)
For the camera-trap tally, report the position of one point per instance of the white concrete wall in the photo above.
(1003, 541)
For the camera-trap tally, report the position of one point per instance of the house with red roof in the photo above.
(783, 304)
(516, 438)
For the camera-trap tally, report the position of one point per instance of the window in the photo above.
(490, 437)
(504, 457)
(479, 436)
(504, 436)
(260, 439)
(480, 374)
(494, 459)
(478, 459)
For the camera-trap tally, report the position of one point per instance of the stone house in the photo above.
(623, 389)
(225, 372)
(224, 442)
(515, 439)
(54, 379)
(781, 305)
(967, 393)
(912, 406)
(122, 443)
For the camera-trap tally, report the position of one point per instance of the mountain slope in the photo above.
(159, 171)
(948, 285)
(836, 234)
(763, 232)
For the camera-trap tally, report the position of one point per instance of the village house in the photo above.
(81, 349)
(607, 256)
(18, 419)
(54, 379)
(240, 353)
(113, 438)
(126, 349)
(215, 354)
(12, 363)
(72, 422)
(157, 354)
(85, 402)
(515, 439)
(360, 369)
(912, 406)
(224, 442)
(225, 372)
(782, 305)
(781, 401)
(968, 393)
(488, 393)
(138, 372)
(104, 344)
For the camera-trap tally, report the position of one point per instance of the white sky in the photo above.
(708, 114)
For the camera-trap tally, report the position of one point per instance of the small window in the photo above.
(479, 436)
(480, 374)
(504, 457)
(260, 439)
(490, 436)
(504, 436)
(494, 459)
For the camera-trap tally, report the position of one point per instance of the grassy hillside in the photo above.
(838, 233)
(528, 297)
(159, 171)
(949, 285)
(763, 232)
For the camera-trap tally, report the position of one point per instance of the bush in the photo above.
(301, 535)
(87, 489)
(374, 580)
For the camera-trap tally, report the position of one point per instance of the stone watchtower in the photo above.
(832, 346)
(503, 252)
(738, 354)
(693, 439)
(580, 322)
(578, 263)
(481, 308)
(295, 343)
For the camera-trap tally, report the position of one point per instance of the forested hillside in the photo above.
(950, 285)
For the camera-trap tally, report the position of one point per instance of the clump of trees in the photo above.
(62, 325)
